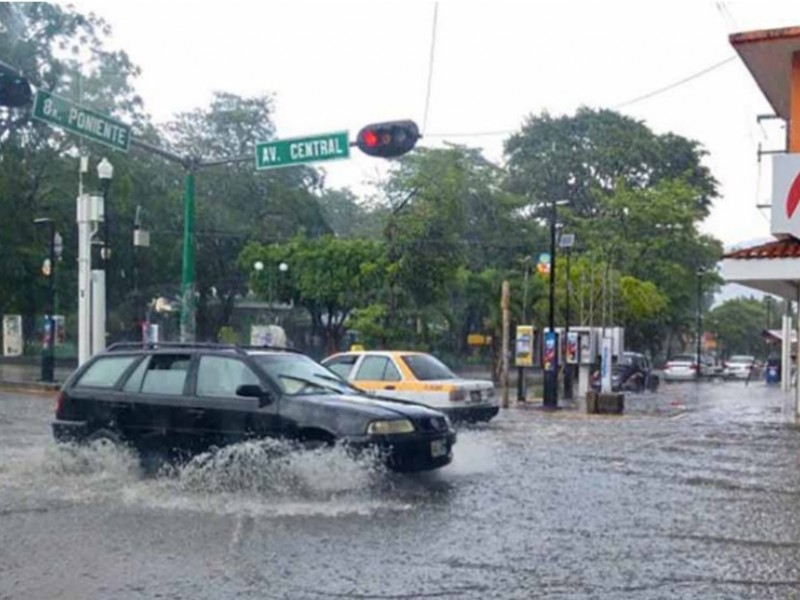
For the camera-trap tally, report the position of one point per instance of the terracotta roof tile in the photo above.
(788, 248)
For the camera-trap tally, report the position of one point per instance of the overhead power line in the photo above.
(430, 67)
(672, 86)
(655, 92)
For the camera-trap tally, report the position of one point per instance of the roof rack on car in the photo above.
(153, 345)
(268, 347)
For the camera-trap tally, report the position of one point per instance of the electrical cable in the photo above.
(672, 86)
(646, 96)
(430, 68)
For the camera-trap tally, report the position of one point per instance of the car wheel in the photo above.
(105, 438)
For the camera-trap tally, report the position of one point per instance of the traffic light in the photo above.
(387, 140)
(15, 91)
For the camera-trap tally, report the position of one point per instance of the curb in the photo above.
(30, 387)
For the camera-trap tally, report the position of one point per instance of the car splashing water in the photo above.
(264, 478)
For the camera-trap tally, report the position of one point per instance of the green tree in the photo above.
(450, 217)
(349, 218)
(236, 204)
(328, 276)
(575, 157)
(737, 325)
(62, 51)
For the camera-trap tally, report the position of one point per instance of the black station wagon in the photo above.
(192, 397)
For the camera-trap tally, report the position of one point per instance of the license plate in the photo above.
(438, 448)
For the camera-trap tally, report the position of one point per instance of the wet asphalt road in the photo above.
(694, 493)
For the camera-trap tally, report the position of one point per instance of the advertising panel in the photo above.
(12, 335)
(523, 349)
(550, 359)
(573, 348)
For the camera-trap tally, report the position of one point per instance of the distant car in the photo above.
(708, 368)
(418, 377)
(194, 397)
(682, 367)
(632, 373)
(741, 367)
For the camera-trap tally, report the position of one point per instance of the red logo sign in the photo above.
(793, 198)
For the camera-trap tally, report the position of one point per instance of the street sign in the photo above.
(81, 121)
(296, 151)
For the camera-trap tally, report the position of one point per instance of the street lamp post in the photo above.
(105, 171)
(49, 269)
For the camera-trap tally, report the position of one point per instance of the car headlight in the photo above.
(390, 427)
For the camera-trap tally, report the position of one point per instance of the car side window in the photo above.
(391, 373)
(372, 368)
(342, 365)
(106, 371)
(134, 383)
(166, 374)
(219, 376)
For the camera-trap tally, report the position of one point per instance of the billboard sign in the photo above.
(786, 194)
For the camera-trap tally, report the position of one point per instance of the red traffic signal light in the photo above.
(15, 91)
(387, 140)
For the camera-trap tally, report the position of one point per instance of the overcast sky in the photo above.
(338, 65)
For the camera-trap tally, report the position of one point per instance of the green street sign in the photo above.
(76, 119)
(296, 151)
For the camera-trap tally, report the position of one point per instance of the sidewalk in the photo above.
(28, 377)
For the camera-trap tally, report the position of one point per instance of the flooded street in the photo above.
(694, 493)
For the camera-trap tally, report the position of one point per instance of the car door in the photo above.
(378, 374)
(228, 416)
(159, 387)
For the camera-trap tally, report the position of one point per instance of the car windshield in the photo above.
(427, 368)
(297, 374)
(627, 359)
(741, 359)
(683, 358)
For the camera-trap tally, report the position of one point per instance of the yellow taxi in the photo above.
(418, 377)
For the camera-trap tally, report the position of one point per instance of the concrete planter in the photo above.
(604, 404)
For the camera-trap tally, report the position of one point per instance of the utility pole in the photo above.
(87, 209)
(700, 272)
(551, 373)
(505, 304)
(188, 271)
(566, 242)
(521, 370)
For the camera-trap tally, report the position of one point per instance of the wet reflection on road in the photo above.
(692, 494)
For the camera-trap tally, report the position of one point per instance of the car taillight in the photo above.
(694, 367)
(669, 365)
(458, 395)
(60, 404)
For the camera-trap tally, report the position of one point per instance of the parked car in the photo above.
(632, 373)
(682, 367)
(741, 367)
(196, 396)
(418, 376)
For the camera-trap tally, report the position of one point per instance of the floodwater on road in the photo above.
(694, 494)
